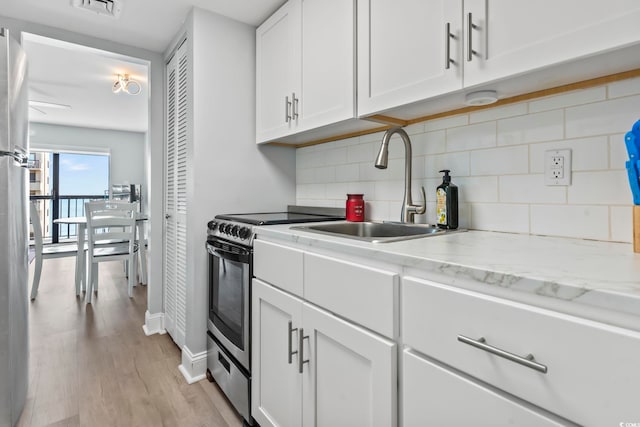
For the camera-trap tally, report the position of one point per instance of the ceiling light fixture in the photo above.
(127, 85)
(481, 97)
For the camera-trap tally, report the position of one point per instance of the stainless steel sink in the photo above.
(376, 232)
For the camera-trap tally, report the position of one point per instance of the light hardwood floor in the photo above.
(94, 366)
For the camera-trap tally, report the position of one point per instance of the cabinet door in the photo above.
(277, 71)
(350, 378)
(276, 384)
(435, 396)
(176, 145)
(328, 62)
(515, 36)
(402, 47)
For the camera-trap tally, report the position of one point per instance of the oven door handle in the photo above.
(221, 253)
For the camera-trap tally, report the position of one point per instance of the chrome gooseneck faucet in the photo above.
(409, 210)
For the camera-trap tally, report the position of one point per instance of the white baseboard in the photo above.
(153, 323)
(194, 366)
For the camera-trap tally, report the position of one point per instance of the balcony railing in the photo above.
(33, 164)
(67, 207)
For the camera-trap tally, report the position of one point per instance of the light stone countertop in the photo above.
(594, 275)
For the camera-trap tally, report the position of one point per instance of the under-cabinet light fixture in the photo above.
(481, 97)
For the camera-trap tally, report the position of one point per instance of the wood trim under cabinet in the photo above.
(394, 121)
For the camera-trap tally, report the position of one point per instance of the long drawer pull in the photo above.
(291, 352)
(527, 360)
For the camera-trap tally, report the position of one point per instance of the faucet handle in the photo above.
(423, 206)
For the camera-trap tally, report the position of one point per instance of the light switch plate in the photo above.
(557, 167)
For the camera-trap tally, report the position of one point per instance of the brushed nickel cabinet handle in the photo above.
(294, 107)
(527, 360)
(290, 352)
(287, 110)
(301, 360)
(447, 47)
(470, 27)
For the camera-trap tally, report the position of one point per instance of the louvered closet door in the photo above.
(176, 196)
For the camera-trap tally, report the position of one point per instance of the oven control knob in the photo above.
(244, 232)
(223, 228)
(213, 225)
(234, 230)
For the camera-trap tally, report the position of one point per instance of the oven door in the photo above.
(229, 297)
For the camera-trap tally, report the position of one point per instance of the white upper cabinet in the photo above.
(278, 52)
(509, 37)
(305, 75)
(404, 52)
(414, 50)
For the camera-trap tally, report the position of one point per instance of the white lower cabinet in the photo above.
(311, 368)
(581, 370)
(436, 396)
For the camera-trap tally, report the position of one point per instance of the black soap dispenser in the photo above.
(447, 203)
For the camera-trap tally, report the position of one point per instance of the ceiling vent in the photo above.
(110, 8)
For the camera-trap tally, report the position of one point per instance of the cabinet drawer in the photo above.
(279, 265)
(362, 294)
(592, 373)
(451, 399)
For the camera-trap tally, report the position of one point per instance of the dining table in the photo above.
(81, 230)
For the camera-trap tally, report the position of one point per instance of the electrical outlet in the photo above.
(557, 167)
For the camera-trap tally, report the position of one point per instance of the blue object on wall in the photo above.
(632, 141)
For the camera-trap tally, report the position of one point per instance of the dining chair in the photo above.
(111, 235)
(45, 252)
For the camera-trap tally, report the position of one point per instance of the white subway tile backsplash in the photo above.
(624, 88)
(311, 191)
(429, 143)
(498, 113)
(337, 191)
(602, 118)
(346, 173)
(360, 187)
(537, 127)
(479, 189)
(500, 217)
(496, 158)
(577, 97)
(336, 156)
(586, 153)
(618, 155)
(587, 222)
(471, 137)
(621, 224)
(389, 190)
(446, 123)
(376, 211)
(599, 188)
(529, 189)
(457, 163)
(305, 176)
(361, 152)
(325, 174)
(500, 161)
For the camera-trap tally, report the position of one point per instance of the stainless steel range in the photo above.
(230, 248)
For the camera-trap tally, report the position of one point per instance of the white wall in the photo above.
(229, 172)
(154, 143)
(496, 159)
(126, 149)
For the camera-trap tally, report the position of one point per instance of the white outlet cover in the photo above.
(550, 169)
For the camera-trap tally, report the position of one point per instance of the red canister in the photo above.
(355, 207)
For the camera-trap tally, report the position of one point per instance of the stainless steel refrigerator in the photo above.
(14, 333)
